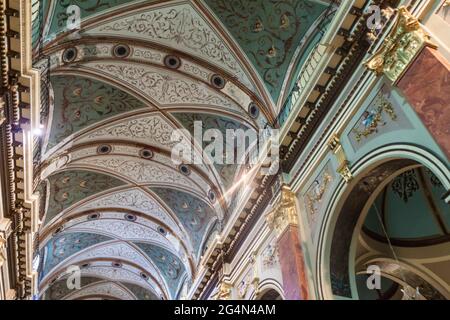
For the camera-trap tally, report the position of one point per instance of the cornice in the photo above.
(18, 82)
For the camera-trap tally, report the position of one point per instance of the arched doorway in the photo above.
(407, 242)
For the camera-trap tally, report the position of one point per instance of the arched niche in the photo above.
(336, 275)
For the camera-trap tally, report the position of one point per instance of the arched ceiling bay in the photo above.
(114, 201)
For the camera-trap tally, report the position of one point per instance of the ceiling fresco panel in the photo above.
(63, 246)
(88, 8)
(132, 154)
(194, 214)
(269, 32)
(164, 87)
(116, 203)
(141, 293)
(226, 172)
(151, 129)
(103, 289)
(180, 27)
(59, 289)
(125, 230)
(122, 272)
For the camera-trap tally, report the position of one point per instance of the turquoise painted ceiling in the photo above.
(194, 214)
(269, 32)
(59, 289)
(415, 195)
(80, 102)
(169, 264)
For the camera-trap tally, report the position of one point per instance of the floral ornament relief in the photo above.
(151, 128)
(251, 278)
(180, 27)
(374, 118)
(269, 32)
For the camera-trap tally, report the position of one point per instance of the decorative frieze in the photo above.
(251, 279)
(400, 47)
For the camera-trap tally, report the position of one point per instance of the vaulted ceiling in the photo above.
(112, 200)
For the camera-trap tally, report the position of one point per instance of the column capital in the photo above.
(400, 47)
(224, 291)
(284, 212)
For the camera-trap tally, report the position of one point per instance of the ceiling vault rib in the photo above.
(111, 106)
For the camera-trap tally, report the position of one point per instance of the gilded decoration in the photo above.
(374, 118)
(2, 111)
(284, 212)
(343, 164)
(269, 32)
(224, 291)
(400, 47)
(315, 194)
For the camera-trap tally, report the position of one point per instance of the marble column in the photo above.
(284, 220)
(426, 86)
